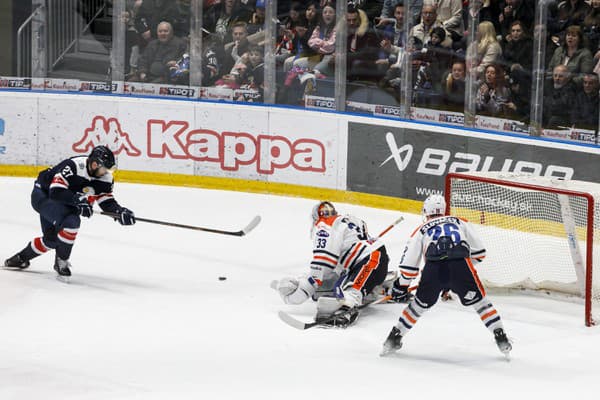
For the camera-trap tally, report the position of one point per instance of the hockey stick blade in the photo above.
(295, 323)
(255, 221)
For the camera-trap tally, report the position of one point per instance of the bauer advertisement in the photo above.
(179, 137)
(412, 163)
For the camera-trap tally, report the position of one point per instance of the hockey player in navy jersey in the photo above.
(345, 267)
(450, 249)
(62, 195)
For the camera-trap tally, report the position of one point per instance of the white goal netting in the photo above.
(541, 233)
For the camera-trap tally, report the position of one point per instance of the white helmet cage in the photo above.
(435, 204)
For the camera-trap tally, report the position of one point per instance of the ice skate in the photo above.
(16, 261)
(392, 343)
(63, 268)
(502, 341)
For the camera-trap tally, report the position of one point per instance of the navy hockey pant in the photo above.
(457, 275)
(60, 224)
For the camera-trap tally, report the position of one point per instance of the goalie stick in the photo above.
(255, 221)
(295, 323)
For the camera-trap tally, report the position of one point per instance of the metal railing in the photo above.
(51, 31)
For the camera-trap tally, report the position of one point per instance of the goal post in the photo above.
(540, 232)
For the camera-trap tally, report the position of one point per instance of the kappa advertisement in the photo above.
(412, 164)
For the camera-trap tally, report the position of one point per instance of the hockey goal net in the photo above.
(540, 233)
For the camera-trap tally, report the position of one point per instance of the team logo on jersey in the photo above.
(108, 132)
(322, 233)
(470, 295)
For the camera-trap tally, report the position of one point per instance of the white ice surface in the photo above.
(145, 316)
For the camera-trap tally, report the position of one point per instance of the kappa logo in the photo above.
(106, 132)
(438, 162)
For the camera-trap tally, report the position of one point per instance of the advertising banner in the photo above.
(178, 137)
(412, 163)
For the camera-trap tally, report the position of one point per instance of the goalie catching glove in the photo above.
(296, 290)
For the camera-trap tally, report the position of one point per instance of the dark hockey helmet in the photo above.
(323, 209)
(103, 156)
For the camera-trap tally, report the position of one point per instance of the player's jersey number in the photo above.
(447, 229)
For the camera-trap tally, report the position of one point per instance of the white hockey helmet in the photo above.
(323, 209)
(434, 204)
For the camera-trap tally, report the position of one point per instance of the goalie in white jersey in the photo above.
(346, 265)
(450, 248)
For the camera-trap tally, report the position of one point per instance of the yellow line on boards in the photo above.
(242, 185)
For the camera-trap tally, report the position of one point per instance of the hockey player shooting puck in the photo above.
(222, 278)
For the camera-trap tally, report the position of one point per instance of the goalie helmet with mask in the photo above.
(434, 205)
(323, 209)
(104, 158)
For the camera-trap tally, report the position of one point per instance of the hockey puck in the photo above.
(222, 278)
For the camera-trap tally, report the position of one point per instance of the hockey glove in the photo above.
(126, 217)
(399, 293)
(84, 208)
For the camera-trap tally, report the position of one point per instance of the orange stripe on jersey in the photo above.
(416, 230)
(328, 220)
(475, 276)
(326, 259)
(366, 270)
(408, 317)
(351, 258)
(486, 316)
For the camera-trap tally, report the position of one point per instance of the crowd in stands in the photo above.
(436, 49)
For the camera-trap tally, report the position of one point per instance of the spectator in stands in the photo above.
(573, 11)
(516, 10)
(394, 37)
(577, 58)
(449, 13)
(518, 49)
(257, 19)
(393, 79)
(485, 51)
(153, 12)
(239, 47)
(160, 55)
(322, 41)
(559, 99)
(493, 95)
(454, 87)
(428, 22)
(584, 113)
(490, 11)
(362, 46)
(299, 47)
(313, 16)
(436, 60)
(220, 18)
(388, 10)
(591, 28)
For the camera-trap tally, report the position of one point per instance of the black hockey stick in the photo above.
(255, 221)
(295, 323)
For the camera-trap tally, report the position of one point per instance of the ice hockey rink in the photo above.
(146, 317)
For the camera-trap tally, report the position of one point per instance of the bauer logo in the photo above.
(401, 162)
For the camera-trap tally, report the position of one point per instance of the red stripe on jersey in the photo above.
(64, 234)
(103, 197)
(39, 246)
(58, 181)
(319, 282)
(486, 316)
